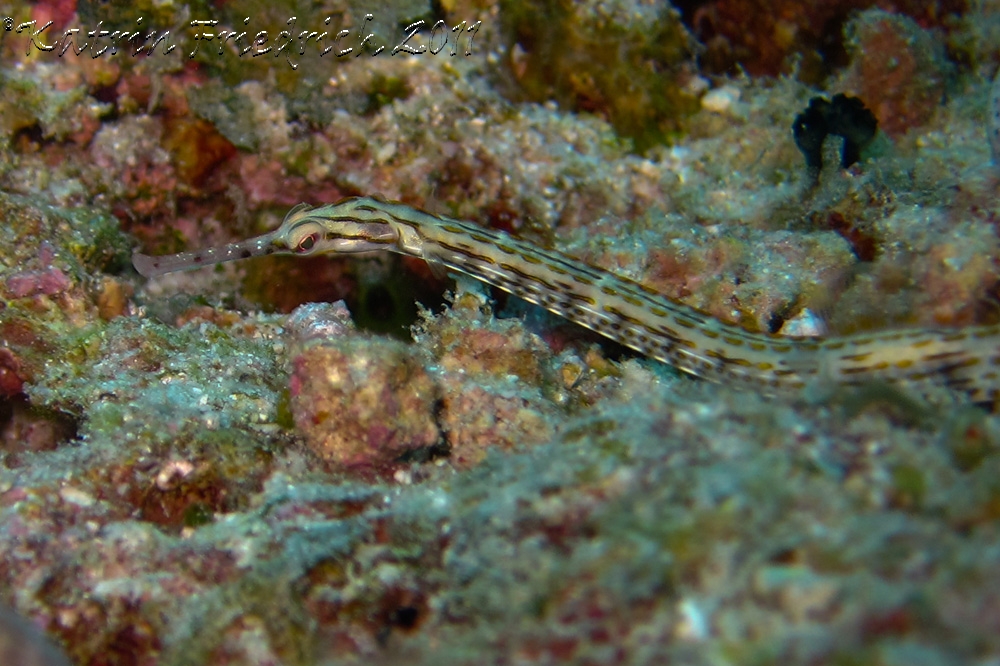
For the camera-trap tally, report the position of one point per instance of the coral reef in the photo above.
(766, 38)
(353, 459)
(362, 402)
(641, 78)
(897, 68)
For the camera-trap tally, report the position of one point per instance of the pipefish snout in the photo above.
(623, 310)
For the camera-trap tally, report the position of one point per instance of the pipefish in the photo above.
(621, 309)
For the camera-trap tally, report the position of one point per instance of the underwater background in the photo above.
(333, 460)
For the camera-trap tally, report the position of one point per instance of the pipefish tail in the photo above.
(625, 311)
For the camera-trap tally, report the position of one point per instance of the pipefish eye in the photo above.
(304, 237)
(307, 243)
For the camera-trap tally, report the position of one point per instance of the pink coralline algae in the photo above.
(489, 374)
(897, 68)
(11, 381)
(359, 402)
(479, 418)
(46, 281)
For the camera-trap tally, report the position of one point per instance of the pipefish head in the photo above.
(341, 228)
(305, 231)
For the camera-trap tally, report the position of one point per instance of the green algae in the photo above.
(91, 240)
(159, 16)
(283, 415)
(42, 245)
(883, 398)
(969, 438)
(26, 103)
(910, 486)
(385, 90)
(230, 111)
(202, 378)
(197, 515)
(611, 59)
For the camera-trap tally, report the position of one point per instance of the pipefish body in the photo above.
(623, 310)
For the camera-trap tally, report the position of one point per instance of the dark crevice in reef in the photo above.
(26, 429)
